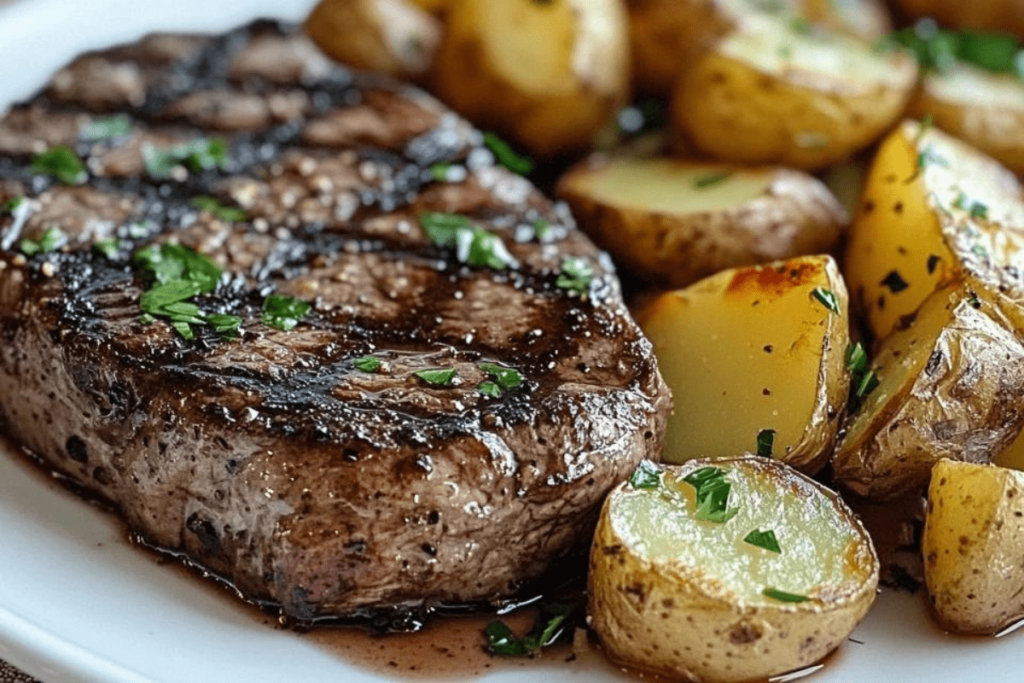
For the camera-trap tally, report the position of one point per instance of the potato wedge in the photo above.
(971, 546)
(982, 108)
(394, 37)
(546, 75)
(934, 211)
(675, 594)
(753, 355)
(673, 222)
(774, 93)
(951, 385)
(1006, 16)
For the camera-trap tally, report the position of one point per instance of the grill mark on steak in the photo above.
(271, 460)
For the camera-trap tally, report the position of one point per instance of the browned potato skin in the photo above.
(1006, 16)
(796, 216)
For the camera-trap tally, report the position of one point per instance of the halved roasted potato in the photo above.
(934, 211)
(774, 92)
(673, 222)
(394, 37)
(728, 570)
(971, 546)
(983, 108)
(951, 385)
(547, 75)
(755, 361)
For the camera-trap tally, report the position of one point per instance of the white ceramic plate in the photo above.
(77, 603)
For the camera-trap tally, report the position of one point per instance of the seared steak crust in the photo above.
(270, 459)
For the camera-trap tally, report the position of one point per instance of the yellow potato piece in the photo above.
(971, 546)
(749, 351)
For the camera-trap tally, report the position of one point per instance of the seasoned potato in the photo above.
(971, 546)
(545, 74)
(673, 222)
(772, 93)
(677, 589)
(951, 385)
(865, 19)
(438, 7)
(934, 211)
(994, 15)
(389, 36)
(982, 108)
(754, 357)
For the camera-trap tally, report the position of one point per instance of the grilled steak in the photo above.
(285, 461)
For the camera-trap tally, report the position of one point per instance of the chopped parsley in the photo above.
(862, 381)
(219, 210)
(979, 210)
(52, 239)
(711, 180)
(369, 364)
(284, 312)
(203, 154)
(62, 163)
(894, 282)
(782, 596)
(712, 493)
(550, 625)
(765, 442)
(490, 389)
(763, 539)
(442, 377)
(108, 246)
(647, 475)
(439, 171)
(109, 128)
(827, 298)
(506, 156)
(856, 359)
(541, 229)
(576, 275)
(12, 205)
(866, 385)
(939, 49)
(473, 245)
(506, 378)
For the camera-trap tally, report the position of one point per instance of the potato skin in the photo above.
(685, 625)
(797, 215)
(971, 546)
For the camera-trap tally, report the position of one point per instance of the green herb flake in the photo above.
(712, 495)
(219, 210)
(782, 596)
(501, 640)
(711, 180)
(647, 475)
(856, 358)
(52, 239)
(284, 312)
(827, 298)
(801, 26)
(894, 282)
(765, 442)
(62, 163)
(929, 156)
(551, 624)
(199, 155)
(110, 247)
(439, 171)
(868, 383)
(368, 364)
(11, 205)
(473, 246)
(576, 275)
(979, 210)
(490, 389)
(508, 157)
(763, 539)
(441, 377)
(507, 378)
(109, 128)
(541, 229)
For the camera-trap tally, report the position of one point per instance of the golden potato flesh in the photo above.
(934, 211)
(678, 591)
(972, 546)
(770, 93)
(547, 75)
(754, 353)
(982, 108)
(394, 37)
(951, 385)
(673, 222)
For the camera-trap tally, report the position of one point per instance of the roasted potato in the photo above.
(934, 211)
(971, 546)
(680, 588)
(772, 92)
(394, 37)
(547, 75)
(993, 15)
(755, 361)
(951, 385)
(673, 222)
(982, 108)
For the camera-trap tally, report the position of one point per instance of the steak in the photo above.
(317, 469)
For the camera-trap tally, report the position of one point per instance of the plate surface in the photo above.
(78, 603)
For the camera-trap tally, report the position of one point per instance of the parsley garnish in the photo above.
(473, 246)
(765, 442)
(199, 155)
(52, 239)
(11, 205)
(647, 475)
(439, 171)
(801, 26)
(507, 378)
(508, 157)
(368, 364)
(862, 381)
(827, 298)
(712, 491)
(548, 628)
(763, 539)
(62, 163)
(438, 377)
(856, 359)
(108, 128)
(576, 275)
(541, 229)
(109, 246)
(283, 312)
(979, 210)
(490, 389)
(866, 385)
(219, 210)
(782, 596)
(711, 180)
(938, 49)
